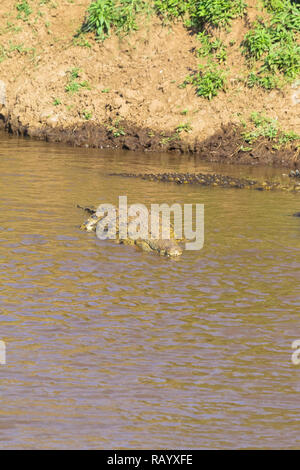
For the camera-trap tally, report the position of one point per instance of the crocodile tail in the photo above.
(87, 209)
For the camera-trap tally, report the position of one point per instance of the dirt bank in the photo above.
(128, 94)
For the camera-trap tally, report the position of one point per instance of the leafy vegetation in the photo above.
(8, 50)
(87, 115)
(121, 15)
(186, 127)
(172, 9)
(211, 46)
(115, 128)
(267, 81)
(103, 15)
(73, 86)
(216, 12)
(24, 10)
(264, 126)
(272, 46)
(207, 81)
(81, 41)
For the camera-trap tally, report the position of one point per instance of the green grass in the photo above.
(272, 46)
(24, 10)
(211, 47)
(81, 41)
(115, 128)
(265, 127)
(8, 51)
(87, 115)
(186, 127)
(3, 54)
(120, 16)
(172, 9)
(266, 81)
(216, 12)
(10, 27)
(208, 81)
(257, 41)
(73, 85)
(284, 58)
(103, 16)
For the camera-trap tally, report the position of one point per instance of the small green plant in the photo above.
(74, 73)
(73, 86)
(11, 27)
(266, 81)
(285, 59)
(184, 128)
(105, 90)
(266, 127)
(81, 41)
(286, 137)
(208, 81)
(257, 41)
(263, 127)
(165, 140)
(216, 12)
(16, 47)
(209, 46)
(285, 13)
(172, 9)
(87, 115)
(288, 18)
(274, 5)
(56, 102)
(105, 15)
(115, 128)
(24, 10)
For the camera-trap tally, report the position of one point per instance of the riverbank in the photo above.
(127, 92)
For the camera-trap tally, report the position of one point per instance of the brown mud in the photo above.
(223, 147)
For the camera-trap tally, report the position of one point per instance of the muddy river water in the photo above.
(109, 347)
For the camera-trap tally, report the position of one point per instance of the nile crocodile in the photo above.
(163, 247)
(213, 179)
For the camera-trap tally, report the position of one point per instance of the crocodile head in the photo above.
(90, 224)
(169, 248)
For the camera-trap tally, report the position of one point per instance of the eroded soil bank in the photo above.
(129, 95)
(224, 146)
